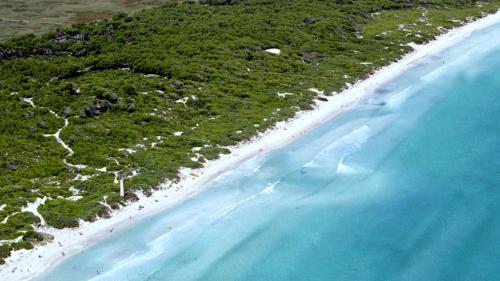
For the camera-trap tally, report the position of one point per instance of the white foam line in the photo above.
(270, 188)
(193, 181)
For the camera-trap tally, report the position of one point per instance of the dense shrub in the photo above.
(148, 93)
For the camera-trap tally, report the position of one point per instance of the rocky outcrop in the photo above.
(96, 109)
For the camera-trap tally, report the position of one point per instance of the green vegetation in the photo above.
(42, 16)
(173, 86)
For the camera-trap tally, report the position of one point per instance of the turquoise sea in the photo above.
(405, 185)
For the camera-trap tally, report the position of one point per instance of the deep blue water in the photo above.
(403, 186)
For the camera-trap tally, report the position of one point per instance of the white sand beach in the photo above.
(26, 264)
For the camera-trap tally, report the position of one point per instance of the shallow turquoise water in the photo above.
(403, 186)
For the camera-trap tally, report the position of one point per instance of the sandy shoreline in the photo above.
(24, 265)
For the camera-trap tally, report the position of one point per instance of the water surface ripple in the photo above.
(403, 186)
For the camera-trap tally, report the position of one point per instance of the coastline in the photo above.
(24, 264)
